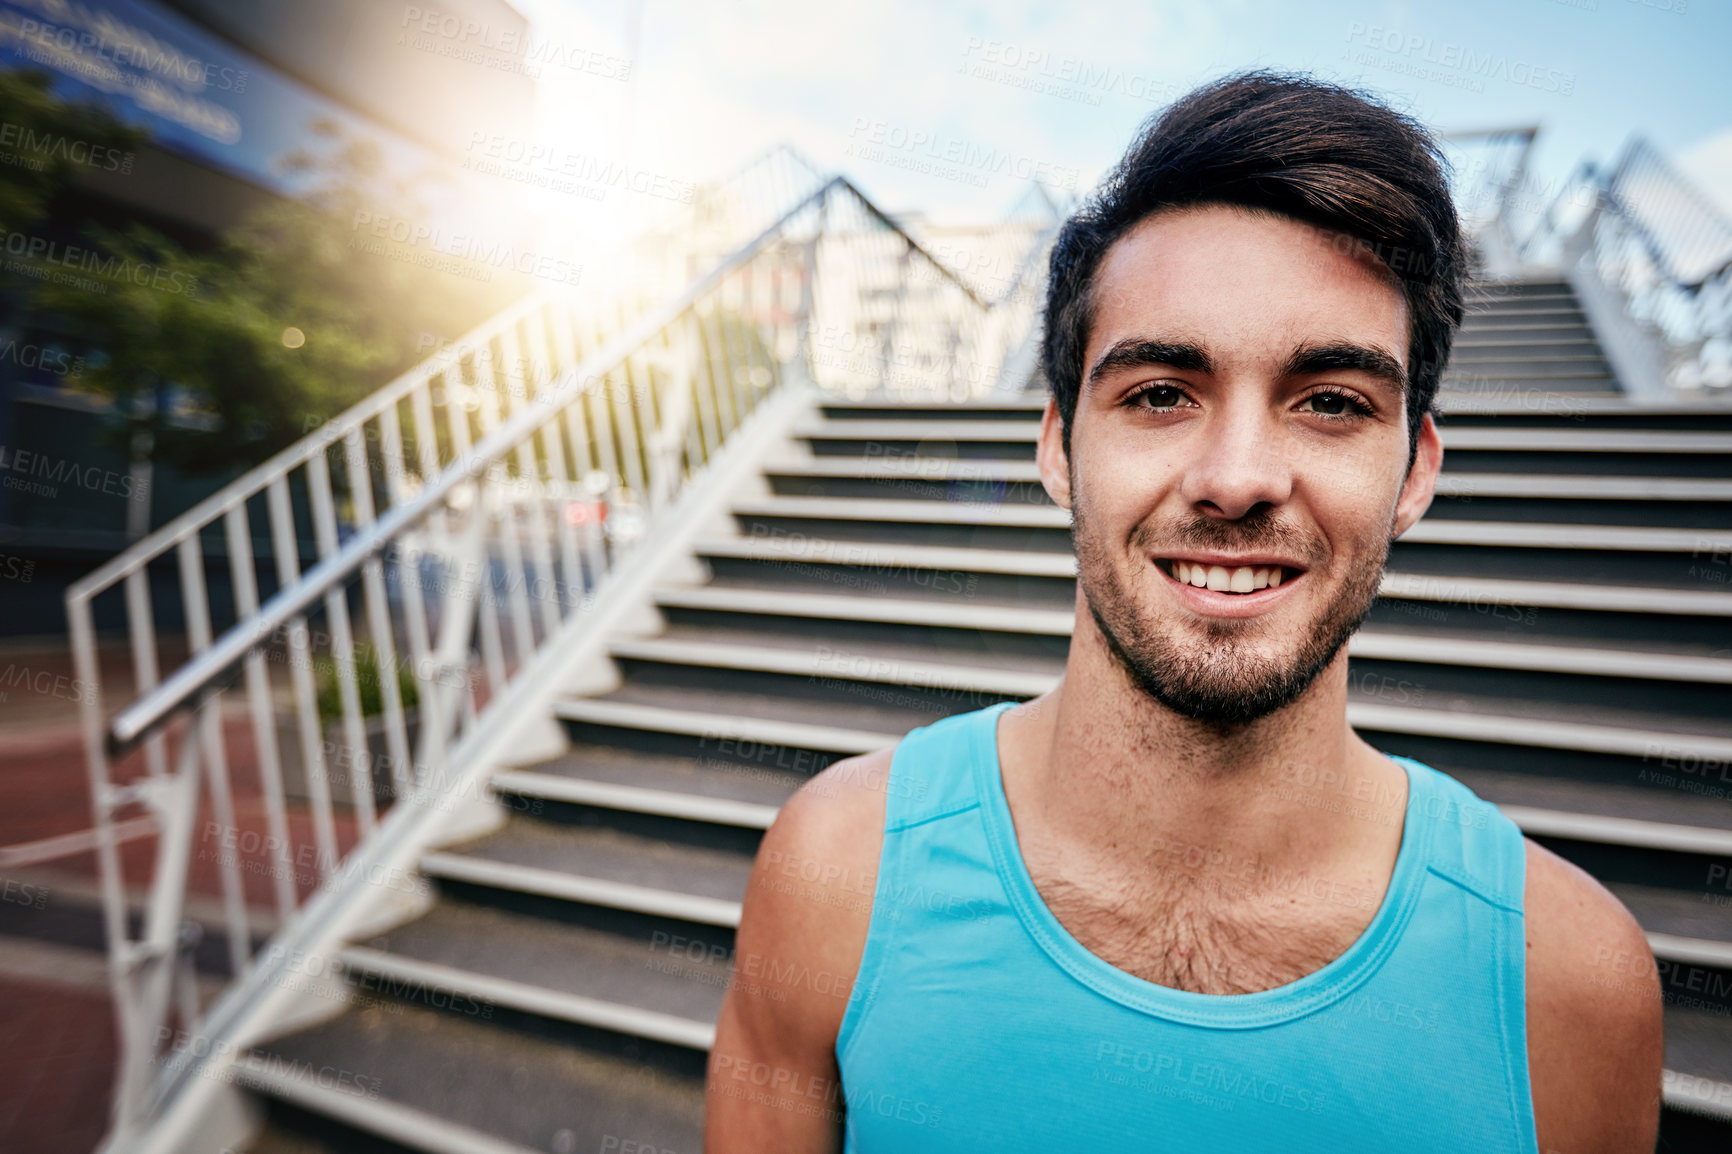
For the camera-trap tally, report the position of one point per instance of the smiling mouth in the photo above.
(1240, 579)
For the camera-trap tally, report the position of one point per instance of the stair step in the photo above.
(393, 1121)
(282, 1135)
(1545, 806)
(602, 866)
(1487, 363)
(1577, 488)
(595, 976)
(482, 871)
(488, 991)
(1543, 307)
(1653, 835)
(933, 612)
(814, 550)
(293, 1129)
(720, 726)
(891, 509)
(1483, 340)
(1589, 410)
(933, 432)
(1573, 659)
(975, 408)
(909, 666)
(1486, 721)
(1537, 390)
(908, 469)
(1555, 595)
(1492, 364)
(1680, 926)
(1699, 1044)
(1529, 368)
(1563, 326)
(1587, 440)
(1538, 535)
(743, 783)
(450, 1084)
(611, 795)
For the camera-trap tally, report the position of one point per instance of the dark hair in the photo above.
(1313, 152)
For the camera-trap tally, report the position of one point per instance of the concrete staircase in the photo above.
(1525, 339)
(1557, 633)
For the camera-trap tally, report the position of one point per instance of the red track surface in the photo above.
(57, 1039)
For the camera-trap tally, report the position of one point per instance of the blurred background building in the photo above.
(196, 121)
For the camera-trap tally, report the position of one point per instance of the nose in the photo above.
(1239, 464)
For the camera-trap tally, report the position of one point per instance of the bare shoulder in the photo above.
(773, 1081)
(809, 901)
(1595, 1039)
(841, 807)
(818, 864)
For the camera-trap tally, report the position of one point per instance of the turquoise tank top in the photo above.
(978, 1023)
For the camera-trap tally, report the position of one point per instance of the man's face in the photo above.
(1239, 456)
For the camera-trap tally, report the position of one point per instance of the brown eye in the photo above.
(1162, 396)
(1328, 404)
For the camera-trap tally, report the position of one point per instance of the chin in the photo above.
(1224, 673)
(1224, 686)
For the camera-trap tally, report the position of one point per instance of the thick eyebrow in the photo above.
(1135, 353)
(1307, 360)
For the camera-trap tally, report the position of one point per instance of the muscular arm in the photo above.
(773, 1082)
(1595, 1042)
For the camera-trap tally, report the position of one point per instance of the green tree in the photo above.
(220, 358)
(45, 141)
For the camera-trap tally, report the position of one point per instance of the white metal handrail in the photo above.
(481, 534)
(1665, 252)
(1489, 181)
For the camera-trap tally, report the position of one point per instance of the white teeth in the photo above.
(1242, 579)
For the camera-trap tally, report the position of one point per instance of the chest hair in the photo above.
(1209, 932)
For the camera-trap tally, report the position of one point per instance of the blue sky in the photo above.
(945, 107)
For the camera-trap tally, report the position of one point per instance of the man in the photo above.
(1158, 932)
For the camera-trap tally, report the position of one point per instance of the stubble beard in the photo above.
(1221, 680)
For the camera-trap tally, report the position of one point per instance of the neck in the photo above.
(1100, 766)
